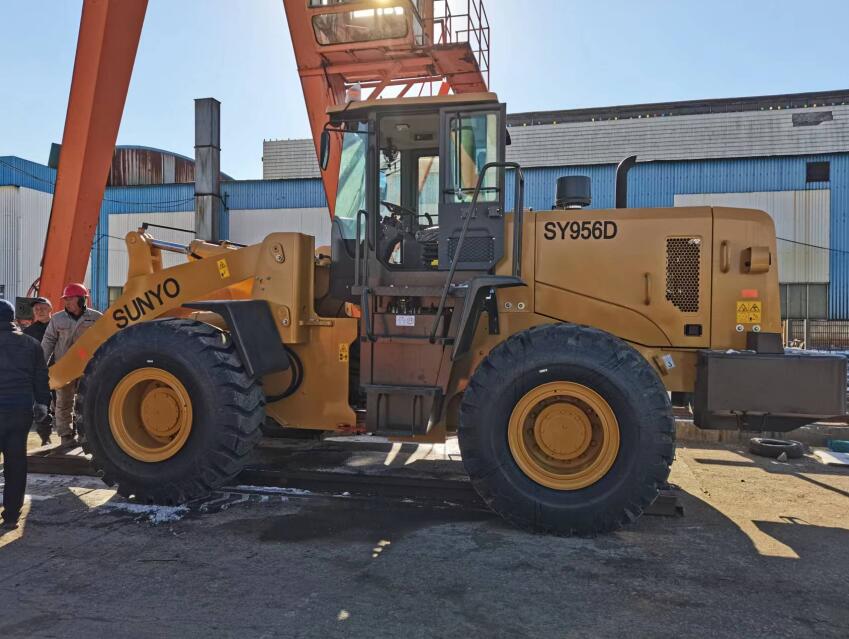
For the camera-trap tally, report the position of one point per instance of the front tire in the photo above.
(167, 411)
(566, 429)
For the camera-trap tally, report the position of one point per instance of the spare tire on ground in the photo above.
(774, 447)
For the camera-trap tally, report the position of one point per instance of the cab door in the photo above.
(469, 139)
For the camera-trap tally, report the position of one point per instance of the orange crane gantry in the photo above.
(399, 46)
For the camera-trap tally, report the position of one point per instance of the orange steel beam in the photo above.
(106, 50)
(321, 90)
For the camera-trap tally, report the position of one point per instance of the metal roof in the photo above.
(760, 126)
(687, 107)
(289, 159)
(742, 134)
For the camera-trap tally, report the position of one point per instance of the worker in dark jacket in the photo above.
(24, 394)
(42, 309)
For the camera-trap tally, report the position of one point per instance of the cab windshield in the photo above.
(351, 192)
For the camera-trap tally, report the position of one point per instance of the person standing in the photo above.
(64, 329)
(42, 309)
(24, 395)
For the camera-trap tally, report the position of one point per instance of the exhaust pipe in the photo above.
(622, 181)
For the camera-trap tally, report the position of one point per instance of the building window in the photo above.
(804, 301)
(818, 172)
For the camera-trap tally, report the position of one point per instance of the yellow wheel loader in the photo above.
(550, 342)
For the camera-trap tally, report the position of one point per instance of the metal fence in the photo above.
(453, 22)
(824, 335)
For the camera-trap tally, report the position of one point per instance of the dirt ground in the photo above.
(761, 551)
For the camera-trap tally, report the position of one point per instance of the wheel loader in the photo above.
(550, 342)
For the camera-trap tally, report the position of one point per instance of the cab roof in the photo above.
(341, 111)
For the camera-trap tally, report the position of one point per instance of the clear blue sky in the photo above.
(546, 54)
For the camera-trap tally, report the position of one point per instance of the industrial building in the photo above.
(787, 155)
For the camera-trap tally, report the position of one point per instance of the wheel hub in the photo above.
(161, 411)
(563, 435)
(150, 414)
(562, 431)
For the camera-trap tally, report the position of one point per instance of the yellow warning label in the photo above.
(343, 352)
(223, 269)
(748, 312)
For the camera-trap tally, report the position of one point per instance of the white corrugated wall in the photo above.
(801, 216)
(122, 223)
(35, 217)
(251, 226)
(24, 217)
(9, 241)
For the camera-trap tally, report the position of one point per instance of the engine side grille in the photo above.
(683, 257)
(475, 249)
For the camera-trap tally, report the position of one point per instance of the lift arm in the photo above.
(106, 50)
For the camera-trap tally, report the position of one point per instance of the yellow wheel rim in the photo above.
(563, 435)
(150, 414)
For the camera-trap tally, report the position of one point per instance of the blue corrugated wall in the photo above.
(657, 183)
(650, 184)
(274, 194)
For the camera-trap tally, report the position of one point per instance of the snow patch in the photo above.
(273, 490)
(154, 514)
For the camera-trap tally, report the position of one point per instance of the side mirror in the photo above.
(324, 150)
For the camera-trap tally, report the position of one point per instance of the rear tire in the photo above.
(225, 411)
(629, 426)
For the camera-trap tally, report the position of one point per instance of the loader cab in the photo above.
(408, 170)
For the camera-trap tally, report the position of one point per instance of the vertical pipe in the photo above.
(518, 220)
(622, 181)
(209, 221)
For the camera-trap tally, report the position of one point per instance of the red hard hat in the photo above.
(75, 290)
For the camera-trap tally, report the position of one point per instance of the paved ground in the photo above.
(760, 552)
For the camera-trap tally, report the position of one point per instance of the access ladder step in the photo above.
(401, 410)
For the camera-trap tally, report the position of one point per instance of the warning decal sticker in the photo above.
(748, 312)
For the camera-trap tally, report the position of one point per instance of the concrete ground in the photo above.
(761, 551)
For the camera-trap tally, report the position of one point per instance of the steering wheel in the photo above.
(398, 210)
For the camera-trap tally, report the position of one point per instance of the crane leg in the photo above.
(106, 50)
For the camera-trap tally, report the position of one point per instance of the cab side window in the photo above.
(473, 142)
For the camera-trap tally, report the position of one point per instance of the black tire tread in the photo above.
(504, 358)
(241, 416)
